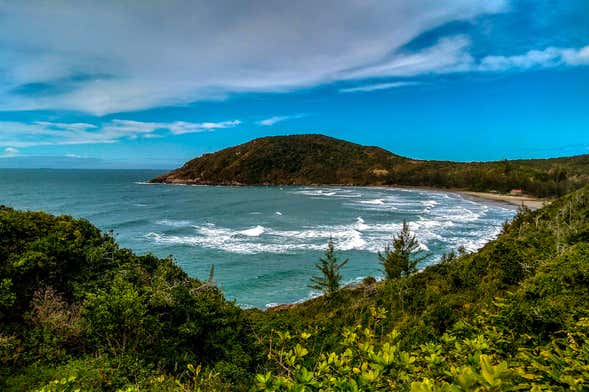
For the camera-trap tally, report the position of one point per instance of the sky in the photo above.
(152, 84)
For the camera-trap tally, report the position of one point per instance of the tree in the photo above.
(329, 281)
(402, 260)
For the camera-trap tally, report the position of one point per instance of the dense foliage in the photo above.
(318, 159)
(72, 302)
(76, 311)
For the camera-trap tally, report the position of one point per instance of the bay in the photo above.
(263, 241)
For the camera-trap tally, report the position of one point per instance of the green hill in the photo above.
(79, 312)
(288, 160)
(322, 160)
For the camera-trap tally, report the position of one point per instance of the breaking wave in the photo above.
(359, 235)
(253, 232)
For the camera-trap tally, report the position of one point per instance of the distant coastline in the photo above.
(318, 160)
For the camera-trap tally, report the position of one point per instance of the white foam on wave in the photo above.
(423, 247)
(228, 244)
(315, 192)
(355, 236)
(459, 214)
(449, 225)
(327, 192)
(174, 223)
(354, 241)
(475, 239)
(429, 203)
(389, 202)
(429, 224)
(361, 224)
(245, 241)
(253, 232)
(348, 193)
(372, 202)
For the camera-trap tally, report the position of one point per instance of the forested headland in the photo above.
(322, 160)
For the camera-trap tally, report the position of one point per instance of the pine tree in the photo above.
(402, 260)
(329, 281)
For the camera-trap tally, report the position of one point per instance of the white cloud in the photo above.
(177, 127)
(378, 86)
(548, 57)
(576, 57)
(111, 56)
(17, 134)
(276, 119)
(451, 55)
(180, 127)
(447, 55)
(10, 151)
(107, 57)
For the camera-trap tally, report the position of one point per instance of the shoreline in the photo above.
(530, 202)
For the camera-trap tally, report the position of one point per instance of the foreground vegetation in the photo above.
(321, 160)
(76, 311)
(73, 303)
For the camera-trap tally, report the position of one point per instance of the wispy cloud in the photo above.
(177, 127)
(98, 56)
(378, 86)
(451, 55)
(276, 119)
(16, 134)
(546, 58)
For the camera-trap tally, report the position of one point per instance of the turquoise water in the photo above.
(263, 241)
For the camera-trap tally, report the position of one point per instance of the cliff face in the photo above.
(322, 160)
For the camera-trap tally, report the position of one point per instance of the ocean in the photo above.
(263, 241)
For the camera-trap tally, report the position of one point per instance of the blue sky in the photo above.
(153, 84)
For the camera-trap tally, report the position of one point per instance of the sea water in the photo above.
(263, 241)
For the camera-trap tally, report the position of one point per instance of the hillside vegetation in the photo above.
(73, 303)
(318, 159)
(512, 316)
(77, 311)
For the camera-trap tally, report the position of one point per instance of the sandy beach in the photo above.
(529, 201)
